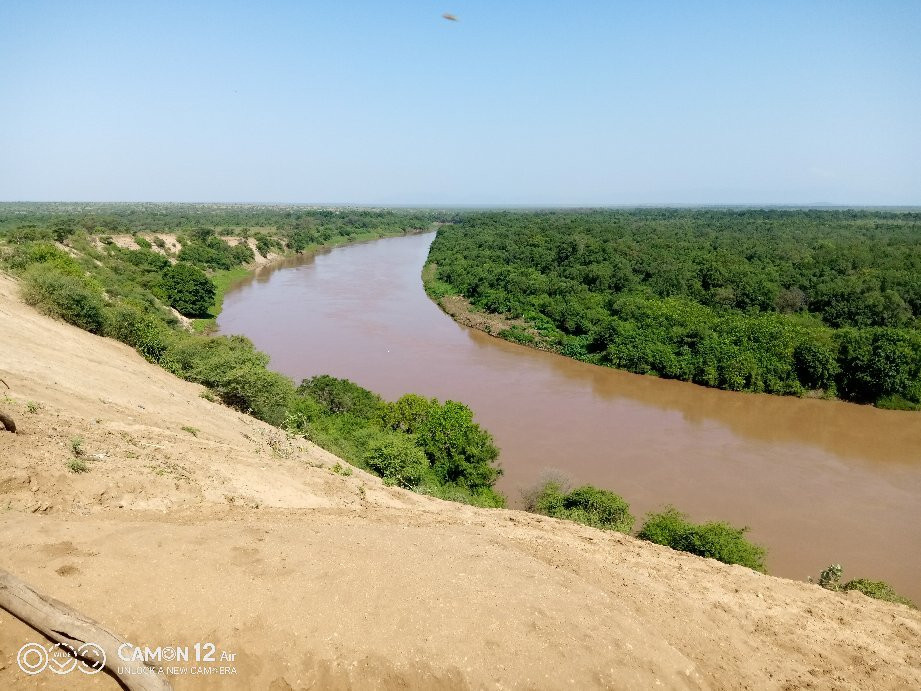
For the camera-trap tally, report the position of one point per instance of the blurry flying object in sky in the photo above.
(450, 17)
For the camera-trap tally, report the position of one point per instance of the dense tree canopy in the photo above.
(777, 301)
(187, 289)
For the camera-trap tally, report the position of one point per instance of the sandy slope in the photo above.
(241, 537)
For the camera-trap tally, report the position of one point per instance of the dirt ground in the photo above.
(197, 524)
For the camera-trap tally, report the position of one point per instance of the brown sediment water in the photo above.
(818, 482)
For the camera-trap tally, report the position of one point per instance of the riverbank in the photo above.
(460, 310)
(229, 533)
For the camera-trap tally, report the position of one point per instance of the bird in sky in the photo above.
(450, 17)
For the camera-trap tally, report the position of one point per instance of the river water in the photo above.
(818, 482)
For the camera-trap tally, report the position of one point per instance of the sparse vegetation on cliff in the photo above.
(830, 579)
(606, 510)
(716, 539)
(589, 505)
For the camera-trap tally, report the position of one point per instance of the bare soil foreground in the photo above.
(229, 533)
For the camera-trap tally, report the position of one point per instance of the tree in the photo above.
(879, 362)
(187, 289)
(460, 451)
(396, 459)
(63, 228)
(816, 362)
(409, 413)
(341, 396)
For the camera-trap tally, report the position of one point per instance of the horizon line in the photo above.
(391, 205)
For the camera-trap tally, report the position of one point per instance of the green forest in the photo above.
(797, 302)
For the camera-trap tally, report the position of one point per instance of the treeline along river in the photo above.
(818, 481)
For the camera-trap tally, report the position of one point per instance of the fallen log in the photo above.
(61, 624)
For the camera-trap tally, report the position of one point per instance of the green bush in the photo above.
(397, 459)
(879, 363)
(589, 505)
(233, 370)
(142, 331)
(896, 402)
(879, 590)
(408, 413)
(213, 253)
(483, 497)
(342, 396)
(265, 244)
(816, 362)
(830, 579)
(417, 442)
(716, 540)
(148, 261)
(187, 289)
(28, 232)
(24, 256)
(71, 298)
(459, 450)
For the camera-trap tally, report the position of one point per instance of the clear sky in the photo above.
(543, 102)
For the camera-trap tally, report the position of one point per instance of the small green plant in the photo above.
(207, 395)
(340, 469)
(191, 430)
(33, 407)
(830, 579)
(77, 465)
(76, 446)
(278, 444)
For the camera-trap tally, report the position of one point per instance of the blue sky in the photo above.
(542, 102)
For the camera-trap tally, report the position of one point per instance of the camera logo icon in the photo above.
(60, 658)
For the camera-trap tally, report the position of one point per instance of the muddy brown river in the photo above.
(819, 482)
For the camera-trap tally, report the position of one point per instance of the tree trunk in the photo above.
(61, 624)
